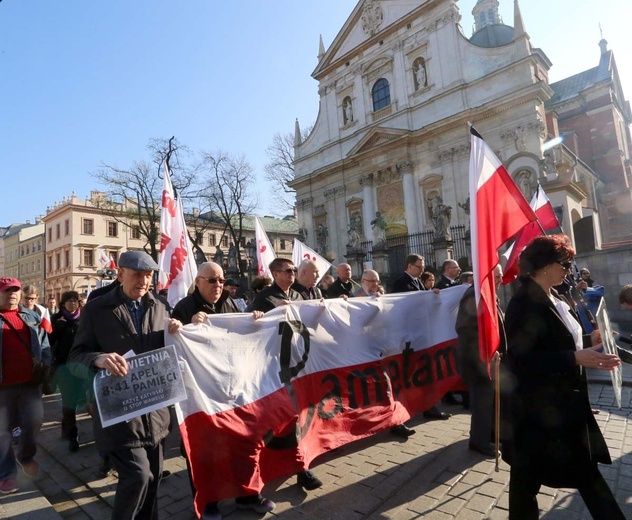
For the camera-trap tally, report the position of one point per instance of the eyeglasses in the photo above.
(212, 280)
(31, 298)
(566, 265)
(419, 266)
(289, 270)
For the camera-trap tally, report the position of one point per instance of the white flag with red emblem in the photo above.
(498, 210)
(547, 220)
(302, 252)
(265, 251)
(176, 261)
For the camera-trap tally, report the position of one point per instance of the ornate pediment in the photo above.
(376, 138)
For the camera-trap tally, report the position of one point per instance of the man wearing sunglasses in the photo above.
(210, 297)
(281, 293)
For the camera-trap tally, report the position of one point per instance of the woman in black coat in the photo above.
(554, 439)
(65, 324)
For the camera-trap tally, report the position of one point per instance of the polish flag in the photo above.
(302, 252)
(547, 220)
(103, 258)
(265, 251)
(176, 260)
(46, 321)
(111, 263)
(498, 210)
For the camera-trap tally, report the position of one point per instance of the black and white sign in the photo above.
(153, 381)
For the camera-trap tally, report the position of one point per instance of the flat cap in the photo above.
(231, 282)
(137, 261)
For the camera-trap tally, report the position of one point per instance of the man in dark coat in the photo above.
(208, 298)
(450, 271)
(474, 372)
(305, 283)
(343, 286)
(281, 293)
(127, 318)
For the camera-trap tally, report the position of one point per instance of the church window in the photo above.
(381, 94)
(483, 19)
(490, 15)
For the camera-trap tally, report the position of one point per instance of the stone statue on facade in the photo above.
(232, 257)
(378, 225)
(321, 239)
(348, 110)
(355, 231)
(420, 75)
(524, 183)
(441, 215)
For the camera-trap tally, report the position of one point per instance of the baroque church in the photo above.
(388, 157)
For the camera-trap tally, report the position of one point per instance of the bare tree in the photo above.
(229, 191)
(134, 194)
(280, 168)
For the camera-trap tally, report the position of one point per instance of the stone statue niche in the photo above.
(322, 235)
(355, 229)
(347, 110)
(378, 226)
(441, 214)
(420, 73)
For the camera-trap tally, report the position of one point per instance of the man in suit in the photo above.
(305, 283)
(343, 286)
(450, 271)
(409, 280)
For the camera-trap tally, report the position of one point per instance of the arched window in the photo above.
(483, 19)
(381, 94)
(490, 16)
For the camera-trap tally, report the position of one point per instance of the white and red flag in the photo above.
(302, 252)
(546, 220)
(111, 262)
(498, 210)
(176, 260)
(46, 322)
(266, 397)
(265, 251)
(103, 258)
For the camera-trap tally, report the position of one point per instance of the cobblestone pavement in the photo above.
(432, 475)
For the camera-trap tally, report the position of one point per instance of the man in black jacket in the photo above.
(343, 286)
(208, 298)
(281, 293)
(409, 280)
(127, 318)
(450, 271)
(306, 281)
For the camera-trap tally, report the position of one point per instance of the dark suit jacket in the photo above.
(444, 282)
(273, 296)
(338, 288)
(555, 434)
(302, 290)
(405, 283)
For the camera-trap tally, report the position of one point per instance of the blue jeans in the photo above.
(20, 405)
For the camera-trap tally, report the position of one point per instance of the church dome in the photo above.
(495, 35)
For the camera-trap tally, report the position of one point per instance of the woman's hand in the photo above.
(592, 358)
(595, 337)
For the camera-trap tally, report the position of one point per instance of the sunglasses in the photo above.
(565, 265)
(211, 280)
(289, 270)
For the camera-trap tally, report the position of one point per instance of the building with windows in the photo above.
(389, 152)
(82, 236)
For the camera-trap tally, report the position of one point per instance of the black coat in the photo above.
(554, 433)
(190, 305)
(338, 288)
(106, 326)
(273, 296)
(405, 283)
(444, 282)
(62, 337)
(302, 290)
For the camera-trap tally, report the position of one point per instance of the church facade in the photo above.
(389, 153)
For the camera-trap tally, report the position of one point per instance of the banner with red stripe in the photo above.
(268, 396)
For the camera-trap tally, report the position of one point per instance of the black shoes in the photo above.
(450, 399)
(105, 469)
(307, 480)
(434, 413)
(402, 431)
(211, 512)
(257, 503)
(488, 451)
(73, 444)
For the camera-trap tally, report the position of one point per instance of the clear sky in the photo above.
(86, 81)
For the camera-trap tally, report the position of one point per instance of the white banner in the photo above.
(265, 251)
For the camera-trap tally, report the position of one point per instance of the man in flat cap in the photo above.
(124, 319)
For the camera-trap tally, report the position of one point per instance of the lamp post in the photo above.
(251, 251)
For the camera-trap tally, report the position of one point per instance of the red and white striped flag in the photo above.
(46, 323)
(498, 210)
(176, 260)
(547, 220)
(302, 252)
(265, 251)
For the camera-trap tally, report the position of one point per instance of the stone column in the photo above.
(306, 220)
(368, 206)
(410, 198)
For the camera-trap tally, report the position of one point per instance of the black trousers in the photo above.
(139, 471)
(524, 487)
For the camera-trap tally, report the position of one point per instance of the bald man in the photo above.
(343, 286)
(370, 284)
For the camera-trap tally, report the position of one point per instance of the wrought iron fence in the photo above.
(400, 246)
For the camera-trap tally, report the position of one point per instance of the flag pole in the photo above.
(497, 412)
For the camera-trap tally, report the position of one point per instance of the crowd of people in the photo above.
(547, 428)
